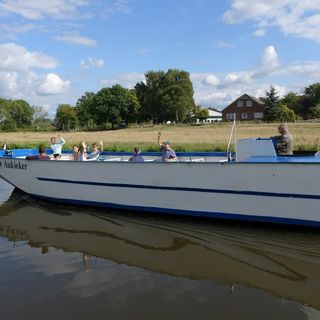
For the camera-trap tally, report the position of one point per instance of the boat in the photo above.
(278, 261)
(252, 184)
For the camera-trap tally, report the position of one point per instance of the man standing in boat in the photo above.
(283, 143)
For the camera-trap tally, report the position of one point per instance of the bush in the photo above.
(9, 125)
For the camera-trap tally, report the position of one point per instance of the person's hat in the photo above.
(168, 142)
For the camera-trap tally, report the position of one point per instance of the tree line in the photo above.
(164, 96)
(18, 114)
(293, 106)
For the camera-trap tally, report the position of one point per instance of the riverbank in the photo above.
(213, 137)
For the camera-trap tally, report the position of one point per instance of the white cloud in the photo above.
(120, 6)
(310, 69)
(17, 58)
(128, 80)
(21, 76)
(260, 33)
(37, 10)
(221, 44)
(8, 82)
(10, 31)
(254, 81)
(269, 63)
(270, 58)
(52, 85)
(77, 40)
(293, 17)
(211, 80)
(91, 63)
(63, 9)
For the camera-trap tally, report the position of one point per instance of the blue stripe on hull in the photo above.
(204, 214)
(138, 186)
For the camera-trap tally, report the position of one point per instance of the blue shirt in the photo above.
(168, 154)
(57, 147)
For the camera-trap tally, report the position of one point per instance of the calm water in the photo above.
(61, 262)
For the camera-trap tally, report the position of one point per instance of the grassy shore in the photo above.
(213, 137)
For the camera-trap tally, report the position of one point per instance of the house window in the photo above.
(244, 115)
(230, 116)
(248, 103)
(240, 103)
(258, 115)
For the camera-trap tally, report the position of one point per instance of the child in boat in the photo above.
(40, 156)
(95, 151)
(136, 157)
(56, 145)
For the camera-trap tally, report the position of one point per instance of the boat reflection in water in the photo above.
(283, 263)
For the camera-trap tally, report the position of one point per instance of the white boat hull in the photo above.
(274, 192)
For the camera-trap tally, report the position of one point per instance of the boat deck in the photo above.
(182, 156)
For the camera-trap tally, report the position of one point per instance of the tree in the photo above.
(294, 102)
(165, 96)
(41, 119)
(313, 93)
(271, 102)
(312, 99)
(115, 105)
(314, 112)
(21, 112)
(66, 117)
(86, 109)
(198, 113)
(15, 114)
(283, 114)
(203, 114)
(177, 95)
(150, 97)
(130, 111)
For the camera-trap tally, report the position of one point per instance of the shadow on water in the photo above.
(282, 261)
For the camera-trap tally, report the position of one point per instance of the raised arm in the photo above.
(61, 140)
(101, 145)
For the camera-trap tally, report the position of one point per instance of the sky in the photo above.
(52, 52)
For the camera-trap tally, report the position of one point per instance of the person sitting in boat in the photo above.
(284, 142)
(94, 155)
(168, 154)
(82, 152)
(41, 156)
(136, 157)
(75, 153)
(56, 145)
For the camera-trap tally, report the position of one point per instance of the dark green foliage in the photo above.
(15, 114)
(275, 109)
(85, 107)
(270, 104)
(312, 101)
(165, 96)
(66, 117)
(294, 102)
(314, 112)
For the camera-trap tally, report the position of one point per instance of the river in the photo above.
(63, 262)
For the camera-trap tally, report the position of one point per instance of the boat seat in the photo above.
(197, 160)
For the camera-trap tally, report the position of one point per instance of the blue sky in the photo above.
(52, 52)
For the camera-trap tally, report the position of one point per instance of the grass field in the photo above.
(184, 138)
